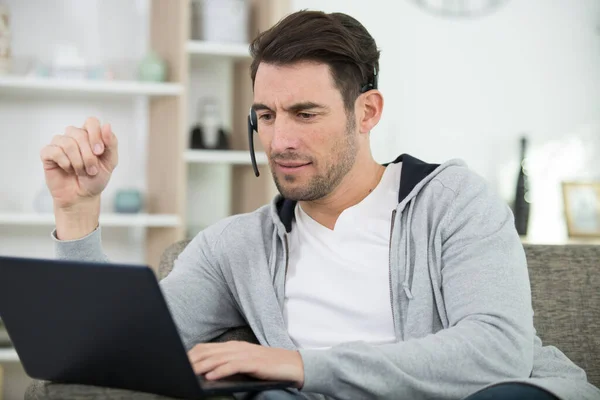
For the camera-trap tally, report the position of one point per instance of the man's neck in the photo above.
(355, 186)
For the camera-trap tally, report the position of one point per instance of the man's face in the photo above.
(310, 139)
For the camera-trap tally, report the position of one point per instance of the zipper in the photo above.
(287, 259)
(390, 269)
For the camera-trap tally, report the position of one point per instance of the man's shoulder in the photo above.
(457, 177)
(241, 228)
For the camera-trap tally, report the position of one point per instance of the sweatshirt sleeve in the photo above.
(198, 296)
(88, 248)
(487, 297)
(195, 291)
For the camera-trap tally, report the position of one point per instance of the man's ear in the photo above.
(370, 106)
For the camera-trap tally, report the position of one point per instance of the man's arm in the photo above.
(197, 294)
(195, 291)
(488, 303)
(77, 167)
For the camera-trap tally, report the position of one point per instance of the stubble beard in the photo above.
(322, 184)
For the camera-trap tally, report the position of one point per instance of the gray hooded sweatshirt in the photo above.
(458, 283)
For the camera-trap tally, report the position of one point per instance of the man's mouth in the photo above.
(291, 166)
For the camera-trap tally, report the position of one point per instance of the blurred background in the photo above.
(512, 87)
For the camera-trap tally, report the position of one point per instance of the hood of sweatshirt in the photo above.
(414, 171)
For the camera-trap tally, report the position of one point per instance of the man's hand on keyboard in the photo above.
(220, 360)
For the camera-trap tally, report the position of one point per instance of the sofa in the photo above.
(565, 286)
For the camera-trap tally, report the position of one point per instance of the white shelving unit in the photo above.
(8, 355)
(113, 220)
(220, 71)
(20, 86)
(223, 157)
(209, 49)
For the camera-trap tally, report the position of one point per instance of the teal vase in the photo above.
(128, 201)
(152, 68)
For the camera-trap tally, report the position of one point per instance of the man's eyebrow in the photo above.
(260, 106)
(298, 107)
(307, 105)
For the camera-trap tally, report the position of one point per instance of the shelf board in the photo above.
(236, 157)
(19, 86)
(227, 50)
(8, 354)
(115, 220)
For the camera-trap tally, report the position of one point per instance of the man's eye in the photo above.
(266, 117)
(305, 115)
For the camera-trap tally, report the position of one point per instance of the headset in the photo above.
(253, 120)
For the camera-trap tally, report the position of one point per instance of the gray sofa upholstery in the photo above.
(565, 285)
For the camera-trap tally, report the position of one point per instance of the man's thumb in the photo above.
(110, 143)
(109, 138)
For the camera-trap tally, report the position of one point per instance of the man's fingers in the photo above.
(52, 156)
(246, 358)
(83, 139)
(210, 363)
(228, 369)
(92, 127)
(71, 149)
(211, 357)
(200, 355)
(205, 350)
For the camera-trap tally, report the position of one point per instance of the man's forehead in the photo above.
(293, 83)
(296, 68)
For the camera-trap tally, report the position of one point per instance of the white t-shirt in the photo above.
(338, 281)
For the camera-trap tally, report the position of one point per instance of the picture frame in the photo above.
(582, 208)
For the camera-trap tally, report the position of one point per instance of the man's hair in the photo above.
(335, 39)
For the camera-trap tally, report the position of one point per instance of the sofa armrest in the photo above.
(43, 390)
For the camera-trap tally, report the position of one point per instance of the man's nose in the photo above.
(284, 136)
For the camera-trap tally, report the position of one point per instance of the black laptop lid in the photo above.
(96, 324)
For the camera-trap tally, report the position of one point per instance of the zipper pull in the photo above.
(407, 291)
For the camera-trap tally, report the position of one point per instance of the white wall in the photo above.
(467, 88)
(111, 32)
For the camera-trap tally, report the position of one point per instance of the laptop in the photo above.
(104, 325)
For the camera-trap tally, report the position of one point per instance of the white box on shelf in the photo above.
(221, 20)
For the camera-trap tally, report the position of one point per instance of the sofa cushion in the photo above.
(169, 256)
(42, 390)
(565, 289)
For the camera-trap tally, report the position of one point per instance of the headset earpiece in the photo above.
(375, 79)
(254, 120)
(373, 84)
(252, 127)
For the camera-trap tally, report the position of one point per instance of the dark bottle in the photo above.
(522, 205)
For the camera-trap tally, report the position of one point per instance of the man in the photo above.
(360, 280)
